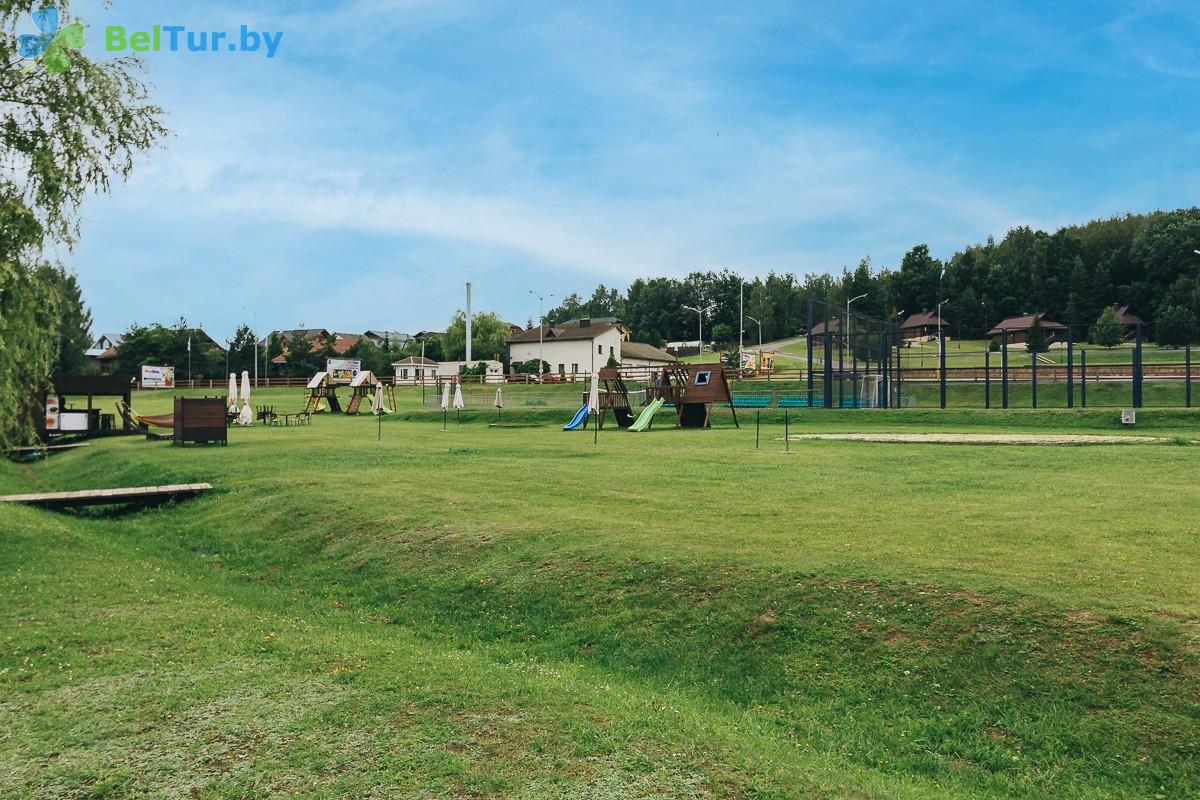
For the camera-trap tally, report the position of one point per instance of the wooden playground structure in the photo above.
(614, 397)
(363, 386)
(322, 395)
(692, 389)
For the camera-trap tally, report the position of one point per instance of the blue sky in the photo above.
(395, 149)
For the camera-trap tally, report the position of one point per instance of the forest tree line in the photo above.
(1145, 261)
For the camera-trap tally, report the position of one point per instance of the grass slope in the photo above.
(489, 612)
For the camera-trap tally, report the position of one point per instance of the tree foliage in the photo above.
(162, 345)
(1174, 327)
(1108, 331)
(1036, 340)
(61, 137)
(1070, 276)
(489, 337)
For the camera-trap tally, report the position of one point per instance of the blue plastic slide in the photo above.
(579, 420)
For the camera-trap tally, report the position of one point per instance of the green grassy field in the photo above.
(491, 612)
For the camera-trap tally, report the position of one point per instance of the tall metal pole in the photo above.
(941, 360)
(1137, 366)
(1083, 378)
(809, 348)
(1187, 375)
(741, 322)
(1033, 359)
(1070, 367)
(1004, 367)
(468, 331)
(987, 378)
(828, 371)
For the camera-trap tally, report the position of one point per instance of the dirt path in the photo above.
(984, 438)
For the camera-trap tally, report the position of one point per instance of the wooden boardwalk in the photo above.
(93, 497)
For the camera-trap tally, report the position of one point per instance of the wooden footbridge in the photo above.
(144, 495)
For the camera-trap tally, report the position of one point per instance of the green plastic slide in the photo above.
(643, 420)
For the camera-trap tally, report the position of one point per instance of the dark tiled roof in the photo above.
(921, 320)
(835, 326)
(1024, 323)
(645, 352)
(562, 333)
(1127, 318)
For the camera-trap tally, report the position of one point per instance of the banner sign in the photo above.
(342, 370)
(158, 377)
(768, 361)
(52, 412)
(748, 359)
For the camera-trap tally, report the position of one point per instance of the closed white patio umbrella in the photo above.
(233, 392)
(246, 417)
(445, 404)
(458, 398)
(594, 396)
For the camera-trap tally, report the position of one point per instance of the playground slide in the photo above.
(643, 420)
(578, 420)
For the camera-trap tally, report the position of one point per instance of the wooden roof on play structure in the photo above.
(364, 378)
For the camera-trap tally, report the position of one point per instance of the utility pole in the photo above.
(468, 323)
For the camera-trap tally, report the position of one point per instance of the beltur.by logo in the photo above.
(51, 45)
(177, 38)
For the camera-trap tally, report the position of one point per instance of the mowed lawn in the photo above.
(520, 612)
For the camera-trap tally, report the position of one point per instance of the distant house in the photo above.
(921, 326)
(422, 336)
(638, 354)
(200, 339)
(104, 341)
(415, 371)
(685, 348)
(382, 338)
(568, 349)
(1018, 328)
(1130, 321)
(342, 342)
(615, 321)
(103, 352)
(316, 338)
(818, 332)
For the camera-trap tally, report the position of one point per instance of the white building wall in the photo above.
(570, 356)
(414, 374)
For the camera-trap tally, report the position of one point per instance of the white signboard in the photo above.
(158, 377)
(342, 370)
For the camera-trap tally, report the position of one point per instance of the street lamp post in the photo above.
(700, 312)
(541, 329)
(846, 333)
(752, 319)
(939, 315)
